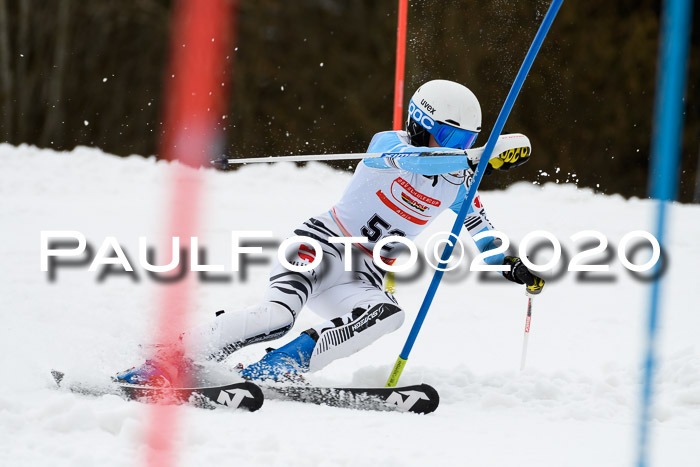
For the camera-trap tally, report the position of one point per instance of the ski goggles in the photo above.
(450, 137)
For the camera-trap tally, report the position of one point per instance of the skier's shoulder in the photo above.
(388, 141)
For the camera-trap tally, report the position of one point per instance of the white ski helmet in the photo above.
(448, 111)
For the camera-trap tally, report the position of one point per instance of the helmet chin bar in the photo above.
(418, 135)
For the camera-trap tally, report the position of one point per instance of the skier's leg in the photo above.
(287, 293)
(228, 332)
(214, 340)
(347, 334)
(373, 314)
(340, 337)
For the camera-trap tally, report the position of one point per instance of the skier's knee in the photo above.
(398, 317)
(228, 332)
(266, 318)
(279, 317)
(387, 316)
(365, 327)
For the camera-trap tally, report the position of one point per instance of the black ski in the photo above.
(245, 395)
(421, 398)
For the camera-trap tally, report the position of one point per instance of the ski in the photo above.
(244, 395)
(420, 398)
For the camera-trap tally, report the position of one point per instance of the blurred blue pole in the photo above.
(663, 177)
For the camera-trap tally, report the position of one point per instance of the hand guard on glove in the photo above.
(511, 158)
(521, 275)
(511, 151)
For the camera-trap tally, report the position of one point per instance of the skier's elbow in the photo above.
(487, 244)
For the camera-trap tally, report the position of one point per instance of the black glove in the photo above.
(521, 275)
(472, 165)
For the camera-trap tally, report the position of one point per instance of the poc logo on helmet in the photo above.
(418, 115)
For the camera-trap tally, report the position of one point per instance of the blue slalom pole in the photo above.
(481, 167)
(663, 175)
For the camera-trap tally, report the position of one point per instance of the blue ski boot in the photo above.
(151, 373)
(284, 364)
(161, 370)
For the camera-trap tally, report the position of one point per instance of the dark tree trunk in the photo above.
(6, 101)
(23, 87)
(54, 126)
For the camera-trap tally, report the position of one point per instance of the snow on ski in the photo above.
(242, 395)
(420, 398)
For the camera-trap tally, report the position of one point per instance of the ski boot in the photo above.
(160, 371)
(151, 373)
(287, 363)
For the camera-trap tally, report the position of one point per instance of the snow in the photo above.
(576, 404)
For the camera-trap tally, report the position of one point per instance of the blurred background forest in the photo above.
(316, 76)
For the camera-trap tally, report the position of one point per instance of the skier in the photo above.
(378, 202)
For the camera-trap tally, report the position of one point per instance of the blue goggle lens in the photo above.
(456, 138)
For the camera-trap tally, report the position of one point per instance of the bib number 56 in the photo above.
(377, 228)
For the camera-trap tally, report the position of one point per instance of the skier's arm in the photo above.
(414, 160)
(389, 141)
(518, 272)
(511, 151)
(477, 222)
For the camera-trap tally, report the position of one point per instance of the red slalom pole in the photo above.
(528, 318)
(400, 64)
(398, 92)
(195, 98)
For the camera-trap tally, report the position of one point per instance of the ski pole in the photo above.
(505, 144)
(488, 150)
(528, 318)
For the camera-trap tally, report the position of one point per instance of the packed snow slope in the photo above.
(576, 404)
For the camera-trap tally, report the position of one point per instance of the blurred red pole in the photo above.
(195, 98)
(400, 64)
